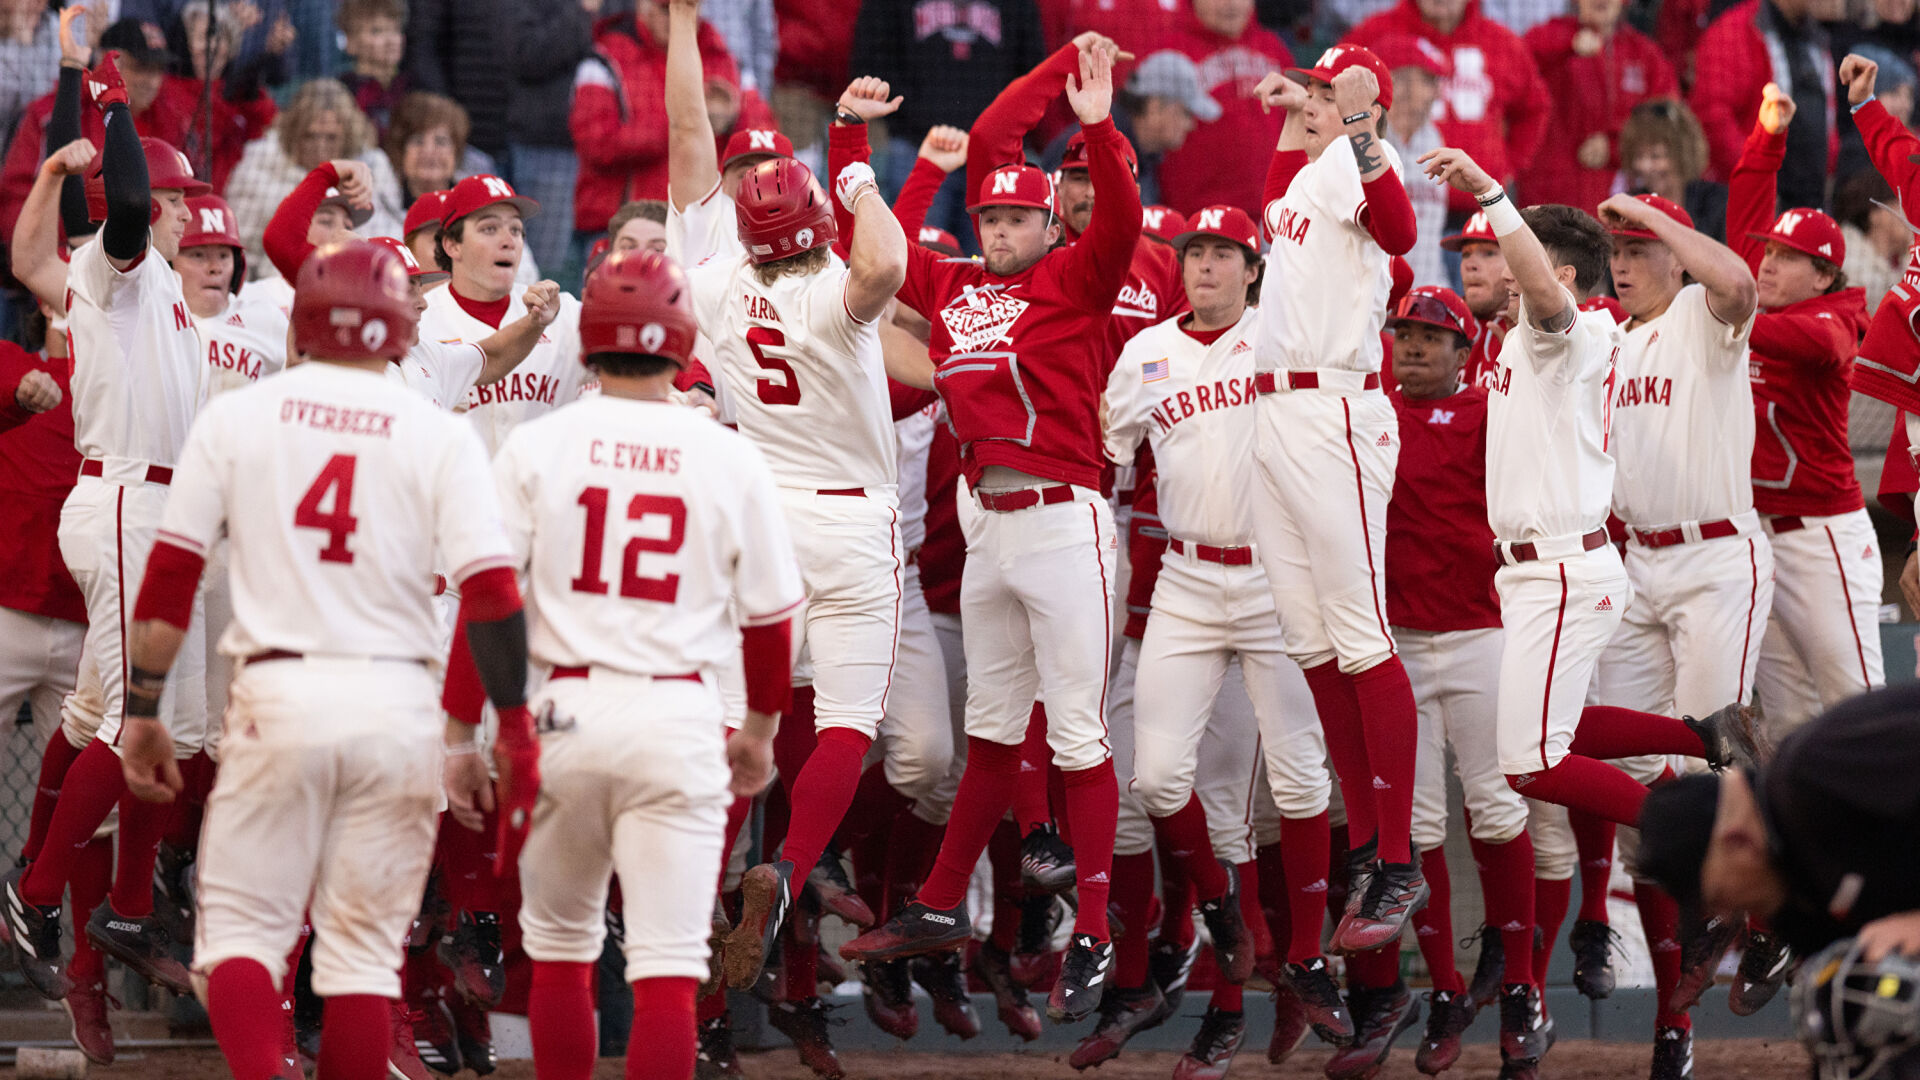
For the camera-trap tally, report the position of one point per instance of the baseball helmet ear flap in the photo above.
(353, 302)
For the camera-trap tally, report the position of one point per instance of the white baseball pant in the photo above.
(1559, 616)
(1036, 604)
(917, 735)
(633, 781)
(1826, 616)
(851, 560)
(217, 597)
(106, 534)
(1555, 851)
(324, 802)
(1326, 462)
(937, 805)
(1457, 689)
(1133, 833)
(39, 659)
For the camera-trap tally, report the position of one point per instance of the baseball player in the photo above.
(1326, 449)
(634, 766)
(336, 489)
(1181, 386)
(421, 231)
(344, 205)
(136, 386)
(1827, 575)
(1482, 271)
(1016, 342)
(245, 335)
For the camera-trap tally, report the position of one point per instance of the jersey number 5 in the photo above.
(663, 588)
(335, 477)
(782, 388)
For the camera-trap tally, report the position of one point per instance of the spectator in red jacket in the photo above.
(1596, 70)
(619, 127)
(1770, 41)
(1495, 105)
(1225, 161)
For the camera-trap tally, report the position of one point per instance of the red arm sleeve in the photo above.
(1098, 264)
(604, 141)
(1750, 193)
(846, 144)
(1805, 339)
(767, 654)
(1890, 144)
(916, 196)
(489, 595)
(166, 590)
(462, 697)
(1389, 214)
(286, 234)
(995, 137)
(1897, 480)
(907, 400)
(1286, 164)
(695, 375)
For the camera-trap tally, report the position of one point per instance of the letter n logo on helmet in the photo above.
(497, 187)
(1209, 220)
(1005, 183)
(760, 140)
(212, 220)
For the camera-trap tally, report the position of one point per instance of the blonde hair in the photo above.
(1666, 122)
(324, 96)
(810, 261)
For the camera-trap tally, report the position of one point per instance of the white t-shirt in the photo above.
(336, 489)
(1327, 280)
(1549, 472)
(550, 376)
(439, 371)
(1683, 418)
(639, 524)
(245, 343)
(137, 361)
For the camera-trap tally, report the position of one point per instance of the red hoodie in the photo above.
(1223, 162)
(1494, 106)
(1888, 366)
(1801, 356)
(1591, 95)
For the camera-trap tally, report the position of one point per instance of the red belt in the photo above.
(857, 492)
(1026, 498)
(156, 474)
(1526, 552)
(1225, 556)
(571, 672)
(1267, 382)
(1709, 530)
(1787, 523)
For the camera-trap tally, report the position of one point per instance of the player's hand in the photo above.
(1454, 167)
(146, 757)
(1276, 91)
(697, 398)
(542, 299)
(854, 181)
(1892, 934)
(1091, 95)
(869, 98)
(1091, 40)
(356, 181)
(104, 85)
(1857, 74)
(1594, 151)
(37, 392)
(73, 159)
(945, 146)
(1354, 91)
(1622, 211)
(469, 788)
(1776, 108)
(73, 46)
(751, 758)
(516, 760)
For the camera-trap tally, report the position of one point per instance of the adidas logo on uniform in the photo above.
(1384, 440)
(1239, 347)
(1381, 785)
(1098, 879)
(1605, 604)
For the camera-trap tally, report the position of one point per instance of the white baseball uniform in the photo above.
(1326, 451)
(335, 489)
(1193, 401)
(442, 372)
(1550, 477)
(1701, 568)
(808, 386)
(137, 373)
(920, 729)
(640, 526)
(551, 375)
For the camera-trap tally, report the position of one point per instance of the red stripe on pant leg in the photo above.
(1360, 488)
(899, 597)
(120, 597)
(1846, 594)
(1753, 601)
(1106, 612)
(1553, 659)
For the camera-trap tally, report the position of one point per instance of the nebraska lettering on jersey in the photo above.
(980, 318)
(1223, 394)
(181, 319)
(633, 457)
(1645, 390)
(517, 387)
(1292, 225)
(227, 356)
(1138, 301)
(322, 417)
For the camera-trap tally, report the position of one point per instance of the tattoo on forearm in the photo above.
(1363, 151)
(1557, 323)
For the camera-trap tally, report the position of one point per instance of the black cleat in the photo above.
(1325, 1009)
(916, 929)
(1490, 969)
(173, 876)
(888, 997)
(1232, 941)
(1525, 1030)
(940, 975)
(1672, 1054)
(766, 895)
(716, 1058)
(32, 934)
(1169, 965)
(474, 954)
(828, 880)
(1379, 1017)
(1448, 1017)
(1046, 862)
(1010, 1000)
(1732, 736)
(805, 1023)
(1702, 947)
(1394, 892)
(1592, 958)
(1083, 980)
(1219, 1038)
(1123, 1014)
(140, 943)
(473, 1030)
(1764, 964)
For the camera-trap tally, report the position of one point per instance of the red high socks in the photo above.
(1304, 849)
(986, 790)
(1390, 724)
(93, 786)
(354, 1037)
(1183, 835)
(1093, 804)
(1433, 924)
(1133, 896)
(560, 1019)
(1339, 709)
(820, 797)
(1593, 836)
(58, 757)
(1583, 783)
(244, 1008)
(1549, 911)
(1506, 877)
(663, 1008)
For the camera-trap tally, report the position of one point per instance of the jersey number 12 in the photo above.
(663, 588)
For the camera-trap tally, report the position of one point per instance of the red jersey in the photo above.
(1440, 559)
(1591, 95)
(38, 466)
(1483, 362)
(1020, 360)
(1898, 479)
(943, 554)
(1225, 161)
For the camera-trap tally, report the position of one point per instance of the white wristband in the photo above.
(1502, 216)
(462, 749)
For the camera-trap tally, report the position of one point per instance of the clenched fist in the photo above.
(542, 299)
(37, 392)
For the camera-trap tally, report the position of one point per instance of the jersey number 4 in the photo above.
(334, 485)
(663, 588)
(777, 385)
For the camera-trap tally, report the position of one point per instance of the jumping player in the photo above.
(1482, 275)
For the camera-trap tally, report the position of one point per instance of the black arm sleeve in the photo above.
(129, 195)
(63, 127)
(500, 654)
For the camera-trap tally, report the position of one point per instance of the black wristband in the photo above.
(1489, 200)
(843, 116)
(1356, 117)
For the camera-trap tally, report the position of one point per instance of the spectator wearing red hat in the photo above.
(1494, 106)
(1483, 272)
(1222, 161)
(1826, 571)
(1419, 69)
(1771, 41)
(1596, 70)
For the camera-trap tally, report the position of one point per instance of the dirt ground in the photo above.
(1734, 1059)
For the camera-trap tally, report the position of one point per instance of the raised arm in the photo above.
(1751, 189)
(877, 254)
(510, 344)
(1889, 143)
(942, 151)
(285, 237)
(1276, 91)
(864, 99)
(1729, 284)
(63, 124)
(997, 132)
(36, 238)
(1099, 261)
(693, 163)
(1541, 292)
(1388, 213)
(123, 170)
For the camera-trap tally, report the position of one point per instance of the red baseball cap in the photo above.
(358, 215)
(1226, 222)
(755, 143)
(1340, 58)
(1666, 206)
(426, 212)
(940, 240)
(1162, 223)
(1475, 231)
(479, 192)
(1406, 50)
(1015, 185)
(1808, 232)
(1075, 156)
(414, 270)
(1607, 304)
(1432, 305)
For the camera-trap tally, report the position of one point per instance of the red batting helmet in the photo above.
(352, 302)
(638, 302)
(782, 211)
(1435, 306)
(414, 270)
(167, 169)
(210, 221)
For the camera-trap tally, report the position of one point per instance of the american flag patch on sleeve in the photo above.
(1153, 370)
